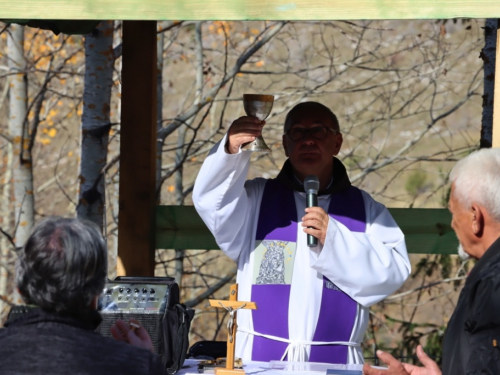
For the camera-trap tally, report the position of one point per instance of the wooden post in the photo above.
(496, 98)
(136, 217)
(232, 306)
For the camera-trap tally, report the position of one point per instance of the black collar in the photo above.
(340, 180)
(21, 315)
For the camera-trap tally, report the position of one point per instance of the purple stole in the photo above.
(278, 222)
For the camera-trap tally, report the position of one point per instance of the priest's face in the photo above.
(310, 154)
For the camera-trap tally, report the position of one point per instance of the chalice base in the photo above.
(257, 145)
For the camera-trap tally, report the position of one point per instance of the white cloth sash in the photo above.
(296, 349)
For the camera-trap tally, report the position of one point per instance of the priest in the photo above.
(312, 302)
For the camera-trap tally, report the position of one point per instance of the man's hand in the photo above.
(398, 368)
(132, 333)
(243, 130)
(317, 219)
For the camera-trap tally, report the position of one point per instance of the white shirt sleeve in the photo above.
(367, 266)
(224, 200)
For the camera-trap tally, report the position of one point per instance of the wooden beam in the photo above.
(496, 98)
(136, 217)
(247, 9)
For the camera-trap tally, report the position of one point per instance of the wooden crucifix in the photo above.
(232, 306)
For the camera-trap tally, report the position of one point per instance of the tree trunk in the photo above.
(99, 62)
(488, 55)
(181, 140)
(19, 132)
(6, 253)
(159, 109)
(115, 265)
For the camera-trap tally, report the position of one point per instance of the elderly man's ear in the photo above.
(477, 220)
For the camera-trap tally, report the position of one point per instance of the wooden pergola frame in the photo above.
(139, 232)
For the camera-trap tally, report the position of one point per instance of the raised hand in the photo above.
(242, 131)
(397, 368)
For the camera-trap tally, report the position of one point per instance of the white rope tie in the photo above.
(297, 349)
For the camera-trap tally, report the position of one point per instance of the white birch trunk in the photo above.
(22, 168)
(19, 132)
(99, 62)
(115, 265)
(6, 253)
(181, 149)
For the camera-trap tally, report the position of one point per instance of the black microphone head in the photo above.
(311, 184)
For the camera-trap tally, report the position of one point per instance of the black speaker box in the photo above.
(147, 299)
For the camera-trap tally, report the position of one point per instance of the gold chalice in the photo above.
(257, 106)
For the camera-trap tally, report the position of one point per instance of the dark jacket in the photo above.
(472, 339)
(38, 342)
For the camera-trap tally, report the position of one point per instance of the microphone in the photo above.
(311, 187)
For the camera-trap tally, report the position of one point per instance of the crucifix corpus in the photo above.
(232, 306)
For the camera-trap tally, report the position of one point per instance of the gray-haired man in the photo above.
(61, 272)
(472, 339)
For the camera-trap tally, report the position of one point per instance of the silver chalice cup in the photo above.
(257, 106)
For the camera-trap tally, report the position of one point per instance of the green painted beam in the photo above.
(427, 231)
(247, 9)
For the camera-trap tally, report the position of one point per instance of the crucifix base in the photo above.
(226, 371)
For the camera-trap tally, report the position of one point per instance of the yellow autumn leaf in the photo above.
(70, 154)
(52, 113)
(79, 111)
(52, 132)
(255, 31)
(45, 131)
(259, 63)
(60, 103)
(171, 188)
(239, 74)
(45, 141)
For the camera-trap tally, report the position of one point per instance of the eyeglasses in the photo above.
(318, 132)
